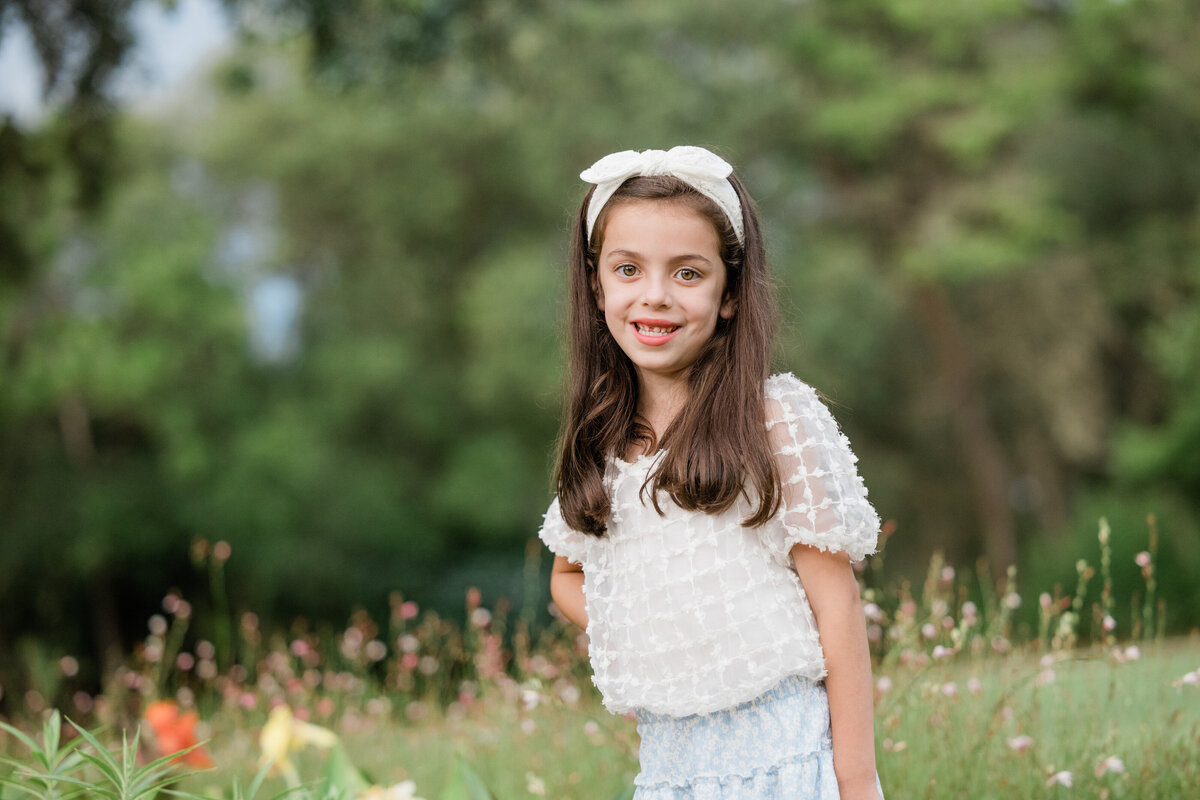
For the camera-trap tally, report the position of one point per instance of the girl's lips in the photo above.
(654, 332)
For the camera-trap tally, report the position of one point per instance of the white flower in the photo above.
(535, 785)
(1111, 764)
(1062, 778)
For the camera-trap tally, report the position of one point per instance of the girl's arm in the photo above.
(566, 587)
(834, 596)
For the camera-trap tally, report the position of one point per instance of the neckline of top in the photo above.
(622, 464)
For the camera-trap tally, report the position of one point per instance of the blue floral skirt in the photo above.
(777, 745)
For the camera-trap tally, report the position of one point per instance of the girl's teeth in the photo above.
(649, 331)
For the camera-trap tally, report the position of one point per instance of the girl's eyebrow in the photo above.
(674, 259)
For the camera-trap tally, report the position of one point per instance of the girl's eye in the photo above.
(688, 274)
(628, 270)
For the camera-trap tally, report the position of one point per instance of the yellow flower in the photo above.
(284, 733)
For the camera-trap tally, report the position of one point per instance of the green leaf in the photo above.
(465, 784)
(341, 775)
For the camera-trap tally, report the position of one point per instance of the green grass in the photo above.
(937, 745)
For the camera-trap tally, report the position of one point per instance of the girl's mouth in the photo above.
(658, 333)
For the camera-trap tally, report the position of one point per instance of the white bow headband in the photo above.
(706, 172)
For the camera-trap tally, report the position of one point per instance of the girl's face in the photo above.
(660, 282)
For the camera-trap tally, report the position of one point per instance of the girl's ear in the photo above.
(728, 307)
(597, 292)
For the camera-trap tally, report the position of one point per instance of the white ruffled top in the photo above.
(691, 612)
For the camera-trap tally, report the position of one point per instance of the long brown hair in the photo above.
(716, 447)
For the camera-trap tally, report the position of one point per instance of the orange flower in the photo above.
(175, 731)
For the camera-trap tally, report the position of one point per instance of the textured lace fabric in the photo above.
(690, 612)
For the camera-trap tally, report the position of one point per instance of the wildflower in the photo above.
(68, 666)
(530, 699)
(1012, 600)
(480, 617)
(405, 790)
(969, 609)
(1142, 559)
(1062, 778)
(83, 702)
(157, 625)
(1190, 679)
(950, 689)
(222, 551)
(1045, 677)
(883, 685)
(894, 747)
(473, 598)
(974, 686)
(1132, 653)
(205, 649)
(1111, 764)
(535, 785)
(1109, 623)
(1045, 601)
(175, 731)
(947, 576)
(872, 612)
(591, 728)
(928, 631)
(941, 652)
(408, 610)
(284, 733)
(1020, 743)
(185, 661)
(376, 650)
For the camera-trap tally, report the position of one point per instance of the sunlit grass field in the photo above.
(490, 707)
(939, 735)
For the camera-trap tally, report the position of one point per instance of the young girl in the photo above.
(707, 514)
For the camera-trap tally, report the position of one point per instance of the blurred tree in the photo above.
(984, 216)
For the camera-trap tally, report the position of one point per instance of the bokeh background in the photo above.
(309, 302)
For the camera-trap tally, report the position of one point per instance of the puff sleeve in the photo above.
(824, 502)
(561, 538)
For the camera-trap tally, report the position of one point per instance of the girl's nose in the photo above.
(656, 291)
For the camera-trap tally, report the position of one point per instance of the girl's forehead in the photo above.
(657, 225)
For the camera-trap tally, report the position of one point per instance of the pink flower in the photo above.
(928, 631)
(408, 610)
(1109, 623)
(1142, 559)
(1111, 764)
(1020, 743)
(950, 689)
(974, 686)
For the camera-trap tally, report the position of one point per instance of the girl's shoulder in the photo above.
(784, 394)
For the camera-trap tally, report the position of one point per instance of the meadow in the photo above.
(969, 704)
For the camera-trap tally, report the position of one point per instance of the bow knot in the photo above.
(705, 171)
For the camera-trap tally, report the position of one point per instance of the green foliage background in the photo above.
(983, 218)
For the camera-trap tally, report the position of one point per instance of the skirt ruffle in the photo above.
(777, 745)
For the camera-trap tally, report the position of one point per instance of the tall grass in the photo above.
(491, 706)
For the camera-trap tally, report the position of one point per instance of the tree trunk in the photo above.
(981, 450)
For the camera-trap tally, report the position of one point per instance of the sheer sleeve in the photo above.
(561, 538)
(824, 501)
